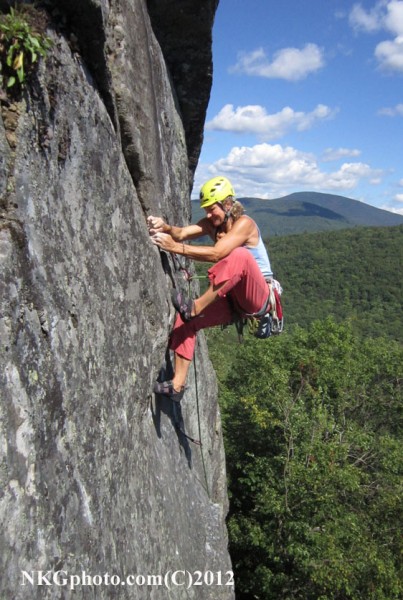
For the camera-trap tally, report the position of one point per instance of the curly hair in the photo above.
(237, 209)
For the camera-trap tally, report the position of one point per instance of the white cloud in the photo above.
(398, 211)
(254, 119)
(372, 20)
(394, 17)
(390, 54)
(292, 64)
(395, 111)
(266, 170)
(398, 198)
(331, 154)
(386, 15)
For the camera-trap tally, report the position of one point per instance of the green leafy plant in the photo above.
(314, 458)
(20, 48)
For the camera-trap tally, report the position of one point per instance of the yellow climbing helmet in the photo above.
(215, 190)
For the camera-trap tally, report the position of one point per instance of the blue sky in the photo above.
(307, 95)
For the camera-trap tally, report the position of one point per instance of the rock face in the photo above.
(96, 477)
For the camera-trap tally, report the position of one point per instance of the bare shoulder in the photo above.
(246, 223)
(248, 227)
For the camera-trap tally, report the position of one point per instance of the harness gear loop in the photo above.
(265, 322)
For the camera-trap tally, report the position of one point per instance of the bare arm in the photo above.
(240, 234)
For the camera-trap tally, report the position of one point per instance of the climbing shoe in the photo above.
(183, 305)
(166, 388)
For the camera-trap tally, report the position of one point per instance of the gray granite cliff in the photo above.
(94, 475)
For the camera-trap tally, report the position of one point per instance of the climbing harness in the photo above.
(268, 321)
(271, 322)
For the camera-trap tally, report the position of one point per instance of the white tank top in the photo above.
(259, 253)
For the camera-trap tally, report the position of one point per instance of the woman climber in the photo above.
(238, 279)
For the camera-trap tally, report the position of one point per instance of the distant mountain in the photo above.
(305, 212)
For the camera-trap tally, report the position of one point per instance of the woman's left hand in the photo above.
(164, 241)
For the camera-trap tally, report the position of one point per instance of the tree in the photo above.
(313, 443)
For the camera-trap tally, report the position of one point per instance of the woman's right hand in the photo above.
(156, 225)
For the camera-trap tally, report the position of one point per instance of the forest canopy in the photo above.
(314, 460)
(312, 424)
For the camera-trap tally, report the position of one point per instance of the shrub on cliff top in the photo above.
(20, 46)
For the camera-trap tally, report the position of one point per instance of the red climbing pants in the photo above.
(248, 291)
